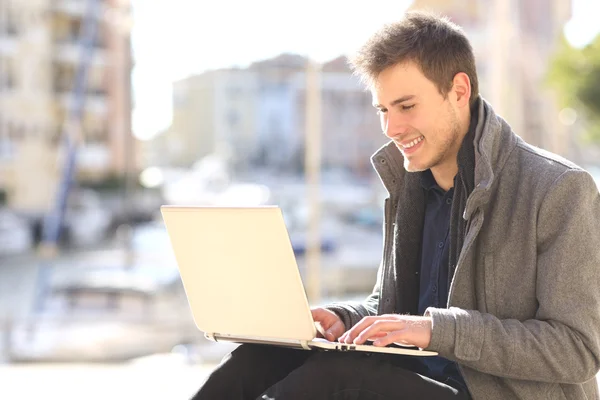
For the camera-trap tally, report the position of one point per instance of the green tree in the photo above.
(575, 74)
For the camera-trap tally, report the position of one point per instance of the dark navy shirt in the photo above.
(434, 282)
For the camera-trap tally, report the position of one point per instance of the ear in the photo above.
(461, 89)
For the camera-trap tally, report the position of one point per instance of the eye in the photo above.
(381, 111)
(406, 108)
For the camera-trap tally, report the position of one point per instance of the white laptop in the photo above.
(241, 279)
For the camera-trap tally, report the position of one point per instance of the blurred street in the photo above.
(17, 285)
(103, 303)
(156, 379)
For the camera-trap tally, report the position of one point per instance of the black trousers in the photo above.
(257, 372)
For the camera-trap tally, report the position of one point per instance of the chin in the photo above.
(411, 166)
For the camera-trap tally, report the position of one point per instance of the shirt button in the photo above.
(448, 201)
(434, 288)
(440, 244)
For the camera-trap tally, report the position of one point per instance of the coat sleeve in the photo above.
(353, 312)
(562, 343)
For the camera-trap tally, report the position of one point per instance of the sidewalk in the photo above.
(162, 378)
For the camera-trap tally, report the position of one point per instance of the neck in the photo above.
(444, 174)
(445, 171)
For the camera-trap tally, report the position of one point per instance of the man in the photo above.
(491, 254)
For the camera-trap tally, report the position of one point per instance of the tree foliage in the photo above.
(575, 74)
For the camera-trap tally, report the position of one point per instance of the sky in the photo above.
(177, 38)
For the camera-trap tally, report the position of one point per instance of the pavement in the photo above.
(160, 378)
(17, 285)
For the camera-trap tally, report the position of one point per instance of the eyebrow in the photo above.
(397, 101)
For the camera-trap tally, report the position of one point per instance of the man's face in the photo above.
(421, 122)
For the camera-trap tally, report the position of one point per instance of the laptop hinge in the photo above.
(210, 336)
(215, 337)
(304, 344)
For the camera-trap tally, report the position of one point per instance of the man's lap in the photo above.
(289, 374)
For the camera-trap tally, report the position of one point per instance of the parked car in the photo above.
(95, 308)
(15, 235)
(86, 219)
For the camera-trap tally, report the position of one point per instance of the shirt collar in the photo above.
(428, 182)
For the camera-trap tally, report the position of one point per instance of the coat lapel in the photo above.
(408, 232)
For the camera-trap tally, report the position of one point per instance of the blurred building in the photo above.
(212, 113)
(255, 117)
(513, 41)
(279, 136)
(40, 51)
(351, 131)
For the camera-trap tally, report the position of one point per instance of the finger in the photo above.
(324, 317)
(352, 333)
(416, 334)
(378, 327)
(318, 314)
(342, 338)
(364, 323)
(377, 336)
(348, 336)
(399, 336)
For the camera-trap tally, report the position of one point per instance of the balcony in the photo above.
(72, 7)
(94, 103)
(7, 171)
(94, 157)
(71, 52)
(8, 45)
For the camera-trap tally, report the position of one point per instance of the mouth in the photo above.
(411, 146)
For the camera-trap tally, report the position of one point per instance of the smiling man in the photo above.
(491, 252)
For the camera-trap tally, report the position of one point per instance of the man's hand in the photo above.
(391, 328)
(332, 326)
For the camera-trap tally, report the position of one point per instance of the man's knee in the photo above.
(241, 359)
(249, 370)
(255, 355)
(338, 364)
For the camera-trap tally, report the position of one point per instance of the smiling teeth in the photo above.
(414, 142)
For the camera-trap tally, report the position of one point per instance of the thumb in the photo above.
(335, 331)
(329, 335)
(332, 325)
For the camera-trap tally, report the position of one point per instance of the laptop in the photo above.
(241, 279)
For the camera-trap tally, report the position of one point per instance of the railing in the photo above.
(70, 52)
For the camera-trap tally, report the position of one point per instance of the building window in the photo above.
(234, 92)
(10, 23)
(179, 97)
(5, 142)
(64, 76)
(233, 118)
(74, 29)
(7, 78)
(15, 131)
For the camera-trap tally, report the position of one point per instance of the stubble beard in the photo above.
(444, 148)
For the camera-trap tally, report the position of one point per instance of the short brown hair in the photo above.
(438, 46)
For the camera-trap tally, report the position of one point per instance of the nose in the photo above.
(393, 126)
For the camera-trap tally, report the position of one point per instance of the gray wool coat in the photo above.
(523, 315)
